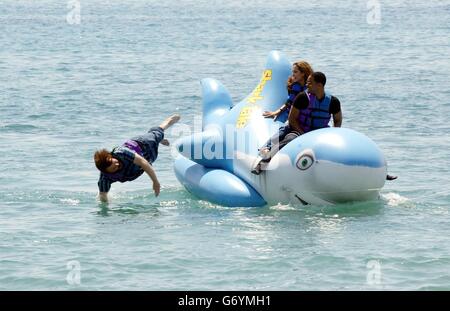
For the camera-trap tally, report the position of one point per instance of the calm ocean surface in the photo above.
(69, 88)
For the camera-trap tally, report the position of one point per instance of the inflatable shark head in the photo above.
(327, 166)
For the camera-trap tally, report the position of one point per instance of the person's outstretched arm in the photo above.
(335, 110)
(104, 184)
(143, 163)
(337, 119)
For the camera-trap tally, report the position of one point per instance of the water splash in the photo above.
(70, 201)
(283, 207)
(394, 199)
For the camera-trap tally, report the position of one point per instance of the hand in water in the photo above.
(156, 188)
(391, 177)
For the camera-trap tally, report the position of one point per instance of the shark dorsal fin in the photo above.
(216, 101)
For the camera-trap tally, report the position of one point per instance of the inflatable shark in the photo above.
(326, 166)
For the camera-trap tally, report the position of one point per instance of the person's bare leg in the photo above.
(256, 169)
(170, 121)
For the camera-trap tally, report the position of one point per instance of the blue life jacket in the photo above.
(317, 114)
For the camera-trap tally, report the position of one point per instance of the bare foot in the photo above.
(165, 142)
(170, 121)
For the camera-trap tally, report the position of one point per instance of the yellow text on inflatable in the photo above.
(244, 115)
(255, 96)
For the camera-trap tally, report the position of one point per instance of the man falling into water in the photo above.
(132, 159)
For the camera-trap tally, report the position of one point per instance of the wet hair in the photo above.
(102, 159)
(319, 77)
(305, 68)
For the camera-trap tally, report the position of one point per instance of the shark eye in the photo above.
(305, 162)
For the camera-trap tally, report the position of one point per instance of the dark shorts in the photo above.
(149, 142)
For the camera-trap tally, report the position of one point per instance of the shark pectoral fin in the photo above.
(216, 101)
(205, 148)
(216, 185)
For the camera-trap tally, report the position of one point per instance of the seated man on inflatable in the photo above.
(311, 110)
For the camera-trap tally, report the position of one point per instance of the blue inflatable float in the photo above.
(325, 166)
